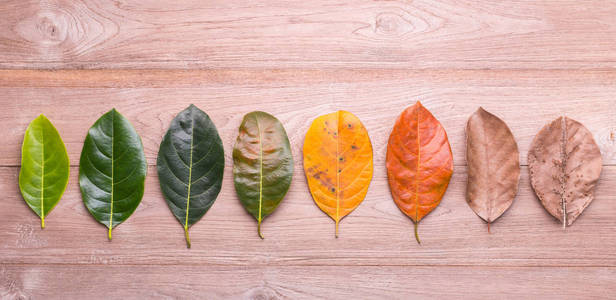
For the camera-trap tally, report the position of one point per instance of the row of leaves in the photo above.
(564, 164)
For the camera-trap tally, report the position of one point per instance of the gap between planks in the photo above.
(251, 265)
(157, 78)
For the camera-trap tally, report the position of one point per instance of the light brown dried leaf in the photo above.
(493, 165)
(564, 164)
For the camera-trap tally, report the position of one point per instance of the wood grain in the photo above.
(528, 62)
(526, 101)
(312, 282)
(299, 238)
(298, 233)
(421, 34)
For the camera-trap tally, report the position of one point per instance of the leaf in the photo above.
(262, 164)
(493, 165)
(338, 163)
(112, 170)
(44, 167)
(190, 166)
(419, 163)
(564, 164)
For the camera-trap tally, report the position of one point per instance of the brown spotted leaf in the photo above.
(564, 164)
(493, 165)
(338, 163)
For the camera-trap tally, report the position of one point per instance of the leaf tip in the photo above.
(415, 107)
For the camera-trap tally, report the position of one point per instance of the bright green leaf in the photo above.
(44, 167)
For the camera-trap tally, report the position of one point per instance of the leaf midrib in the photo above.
(190, 165)
(260, 171)
(563, 169)
(337, 168)
(418, 169)
(487, 174)
(112, 180)
(42, 178)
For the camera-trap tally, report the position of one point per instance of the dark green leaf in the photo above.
(44, 167)
(262, 164)
(190, 165)
(112, 170)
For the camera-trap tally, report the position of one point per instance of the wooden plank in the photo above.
(322, 33)
(316, 282)
(526, 100)
(526, 61)
(277, 77)
(298, 233)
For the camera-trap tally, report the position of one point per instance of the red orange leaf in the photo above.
(419, 162)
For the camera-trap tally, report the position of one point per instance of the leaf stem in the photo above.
(416, 235)
(259, 230)
(187, 237)
(43, 222)
(337, 221)
(488, 227)
(109, 234)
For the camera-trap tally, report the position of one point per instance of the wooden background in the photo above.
(525, 61)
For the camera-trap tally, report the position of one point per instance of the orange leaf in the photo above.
(419, 162)
(338, 163)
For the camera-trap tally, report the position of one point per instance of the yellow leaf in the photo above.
(338, 163)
